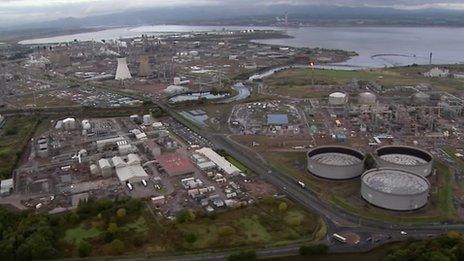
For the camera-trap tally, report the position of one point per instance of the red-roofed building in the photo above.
(175, 164)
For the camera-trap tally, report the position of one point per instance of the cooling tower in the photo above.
(122, 72)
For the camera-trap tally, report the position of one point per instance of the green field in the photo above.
(445, 192)
(345, 194)
(78, 234)
(240, 166)
(298, 82)
(14, 138)
(263, 224)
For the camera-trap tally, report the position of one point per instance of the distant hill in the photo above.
(266, 15)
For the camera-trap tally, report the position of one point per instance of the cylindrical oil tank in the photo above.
(405, 158)
(335, 162)
(338, 98)
(394, 189)
(367, 98)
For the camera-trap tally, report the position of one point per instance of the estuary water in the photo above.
(376, 46)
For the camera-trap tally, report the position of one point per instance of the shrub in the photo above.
(226, 231)
(84, 249)
(121, 213)
(190, 238)
(185, 215)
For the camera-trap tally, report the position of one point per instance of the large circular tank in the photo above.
(421, 98)
(335, 162)
(338, 98)
(367, 98)
(394, 189)
(405, 158)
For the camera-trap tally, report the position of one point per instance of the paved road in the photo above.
(337, 219)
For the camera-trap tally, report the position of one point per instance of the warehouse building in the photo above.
(129, 170)
(220, 161)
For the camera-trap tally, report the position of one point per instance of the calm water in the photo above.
(376, 46)
(196, 96)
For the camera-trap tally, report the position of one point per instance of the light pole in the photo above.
(311, 67)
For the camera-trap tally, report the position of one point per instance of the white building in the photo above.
(6, 186)
(130, 171)
(105, 167)
(437, 72)
(220, 161)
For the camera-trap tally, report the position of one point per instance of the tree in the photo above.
(84, 249)
(185, 215)
(369, 163)
(247, 255)
(283, 207)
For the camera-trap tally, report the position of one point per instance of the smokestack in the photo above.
(144, 66)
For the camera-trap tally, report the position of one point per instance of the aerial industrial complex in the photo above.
(216, 122)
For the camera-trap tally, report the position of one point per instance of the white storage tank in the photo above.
(405, 158)
(394, 189)
(338, 98)
(69, 124)
(367, 98)
(335, 162)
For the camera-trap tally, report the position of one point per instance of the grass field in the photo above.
(14, 138)
(76, 235)
(264, 224)
(345, 194)
(445, 192)
(298, 82)
(240, 166)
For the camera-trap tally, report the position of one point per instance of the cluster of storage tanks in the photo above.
(340, 98)
(398, 183)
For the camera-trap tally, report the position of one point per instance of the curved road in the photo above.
(336, 218)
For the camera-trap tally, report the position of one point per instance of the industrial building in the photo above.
(220, 161)
(335, 162)
(405, 158)
(394, 189)
(6, 187)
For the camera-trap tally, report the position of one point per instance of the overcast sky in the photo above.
(22, 11)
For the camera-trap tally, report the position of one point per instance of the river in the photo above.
(376, 46)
